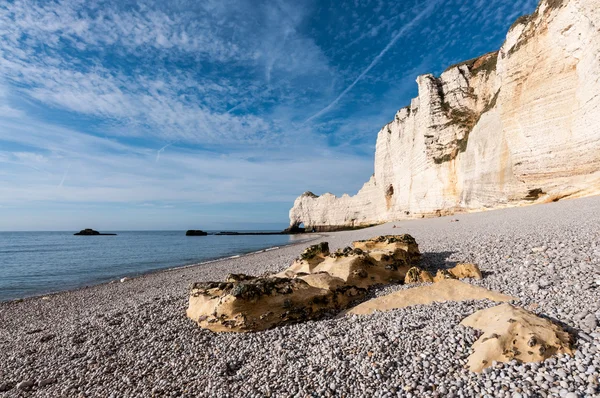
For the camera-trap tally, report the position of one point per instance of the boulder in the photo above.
(358, 268)
(511, 332)
(466, 270)
(443, 274)
(257, 304)
(380, 260)
(445, 290)
(404, 247)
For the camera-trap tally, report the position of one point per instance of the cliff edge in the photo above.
(513, 127)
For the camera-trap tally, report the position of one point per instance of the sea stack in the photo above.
(195, 232)
(91, 232)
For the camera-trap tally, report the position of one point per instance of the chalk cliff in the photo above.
(513, 127)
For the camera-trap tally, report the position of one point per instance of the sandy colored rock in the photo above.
(511, 332)
(379, 260)
(446, 290)
(358, 268)
(417, 275)
(404, 247)
(466, 270)
(262, 303)
(323, 280)
(442, 275)
(308, 260)
(514, 127)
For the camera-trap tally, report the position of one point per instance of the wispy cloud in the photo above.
(94, 95)
(406, 28)
(161, 150)
(62, 181)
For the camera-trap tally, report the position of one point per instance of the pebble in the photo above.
(25, 385)
(134, 339)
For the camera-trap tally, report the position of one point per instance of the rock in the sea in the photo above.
(445, 290)
(90, 232)
(517, 126)
(511, 332)
(195, 232)
(262, 303)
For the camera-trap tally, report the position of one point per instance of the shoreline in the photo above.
(131, 277)
(134, 339)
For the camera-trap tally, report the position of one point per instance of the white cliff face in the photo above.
(515, 127)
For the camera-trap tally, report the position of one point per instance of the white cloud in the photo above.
(72, 73)
(92, 169)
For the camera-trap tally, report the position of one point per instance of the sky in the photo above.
(180, 114)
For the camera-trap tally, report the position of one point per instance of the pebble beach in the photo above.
(132, 338)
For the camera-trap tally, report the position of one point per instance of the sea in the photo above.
(37, 263)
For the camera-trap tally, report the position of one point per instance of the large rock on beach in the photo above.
(318, 282)
(445, 290)
(257, 304)
(511, 332)
(380, 260)
(358, 268)
(404, 247)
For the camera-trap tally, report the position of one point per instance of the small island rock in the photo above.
(90, 232)
(195, 232)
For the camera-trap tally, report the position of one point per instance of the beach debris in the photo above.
(262, 303)
(124, 279)
(445, 290)
(511, 332)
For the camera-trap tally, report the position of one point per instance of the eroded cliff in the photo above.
(513, 127)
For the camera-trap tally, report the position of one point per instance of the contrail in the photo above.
(161, 150)
(402, 31)
(64, 176)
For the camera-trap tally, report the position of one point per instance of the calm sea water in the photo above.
(33, 263)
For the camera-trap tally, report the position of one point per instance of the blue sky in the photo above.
(214, 114)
